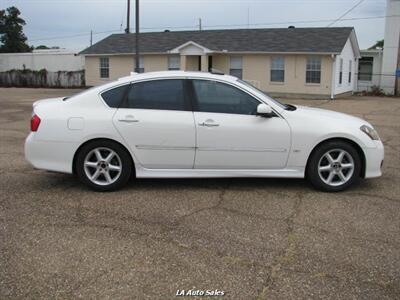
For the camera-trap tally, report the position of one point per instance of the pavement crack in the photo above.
(288, 254)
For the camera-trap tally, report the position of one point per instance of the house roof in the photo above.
(278, 40)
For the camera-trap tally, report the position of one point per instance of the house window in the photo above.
(313, 70)
(174, 62)
(365, 68)
(141, 65)
(350, 66)
(236, 66)
(104, 67)
(341, 71)
(278, 69)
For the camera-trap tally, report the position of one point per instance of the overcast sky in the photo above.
(67, 23)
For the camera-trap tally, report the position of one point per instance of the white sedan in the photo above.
(181, 124)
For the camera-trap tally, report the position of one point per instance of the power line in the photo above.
(348, 11)
(215, 26)
(300, 22)
(72, 36)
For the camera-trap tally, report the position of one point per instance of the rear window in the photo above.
(114, 97)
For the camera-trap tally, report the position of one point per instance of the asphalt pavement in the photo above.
(247, 238)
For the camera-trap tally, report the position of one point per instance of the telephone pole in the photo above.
(200, 28)
(91, 37)
(137, 38)
(128, 13)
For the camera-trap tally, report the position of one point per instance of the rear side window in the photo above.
(114, 97)
(166, 94)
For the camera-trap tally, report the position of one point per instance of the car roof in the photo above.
(162, 75)
(173, 74)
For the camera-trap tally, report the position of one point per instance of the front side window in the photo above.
(236, 66)
(277, 69)
(114, 97)
(167, 94)
(341, 71)
(174, 62)
(141, 64)
(365, 68)
(313, 70)
(216, 97)
(104, 67)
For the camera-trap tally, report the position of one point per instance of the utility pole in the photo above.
(128, 14)
(137, 38)
(200, 28)
(91, 37)
(248, 17)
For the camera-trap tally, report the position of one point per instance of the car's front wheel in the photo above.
(334, 166)
(103, 165)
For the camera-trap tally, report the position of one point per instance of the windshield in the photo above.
(282, 105)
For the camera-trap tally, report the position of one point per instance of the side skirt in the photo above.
(211, 173)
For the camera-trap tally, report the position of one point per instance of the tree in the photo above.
(42, 47)
(378, 44)
(12, 38)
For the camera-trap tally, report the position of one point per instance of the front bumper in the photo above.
(374, 160)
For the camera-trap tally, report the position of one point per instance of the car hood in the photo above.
(323, 114)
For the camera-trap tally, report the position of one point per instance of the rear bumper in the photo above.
(47, 155)
(373, 160)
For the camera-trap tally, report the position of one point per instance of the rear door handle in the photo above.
(128, 119)
(209, 123)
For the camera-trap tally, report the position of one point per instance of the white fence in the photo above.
(43, 78)
(52, 60)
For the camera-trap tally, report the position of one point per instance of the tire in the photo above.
(334, 166)
(104, 165)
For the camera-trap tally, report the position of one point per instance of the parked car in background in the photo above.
(181, 124)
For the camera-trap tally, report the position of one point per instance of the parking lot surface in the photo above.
(251, 238)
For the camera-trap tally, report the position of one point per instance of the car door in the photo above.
(157, 123)
(229, 133)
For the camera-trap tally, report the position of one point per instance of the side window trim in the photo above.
(195, 102)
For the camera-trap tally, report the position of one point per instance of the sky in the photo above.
(67, 23)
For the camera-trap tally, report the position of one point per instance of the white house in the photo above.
(369, 70)
(377, 67)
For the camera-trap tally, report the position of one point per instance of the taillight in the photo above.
(35, 122)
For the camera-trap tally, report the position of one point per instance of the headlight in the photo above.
(370, 132)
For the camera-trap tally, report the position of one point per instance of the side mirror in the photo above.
(265, 110)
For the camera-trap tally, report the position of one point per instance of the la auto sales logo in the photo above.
(197, 293)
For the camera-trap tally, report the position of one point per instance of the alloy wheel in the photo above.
(336, 167)
(102, 166)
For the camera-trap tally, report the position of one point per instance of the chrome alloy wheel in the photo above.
(102, 166)
(336, 167)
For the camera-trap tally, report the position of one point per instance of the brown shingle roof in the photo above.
(321, 40)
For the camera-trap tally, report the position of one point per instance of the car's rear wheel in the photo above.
(334, 166)
(103, 165)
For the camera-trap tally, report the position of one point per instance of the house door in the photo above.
(193, 63)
